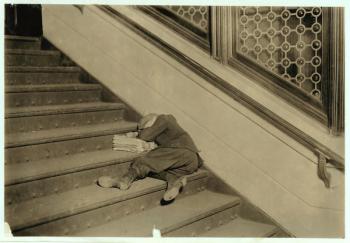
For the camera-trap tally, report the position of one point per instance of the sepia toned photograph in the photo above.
(174, 121)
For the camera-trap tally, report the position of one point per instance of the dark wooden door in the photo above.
(23, 19)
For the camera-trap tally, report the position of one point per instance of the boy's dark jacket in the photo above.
(167, 133)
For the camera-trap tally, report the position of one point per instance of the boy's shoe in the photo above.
(105, 181)
(123, 183)
(172, 192)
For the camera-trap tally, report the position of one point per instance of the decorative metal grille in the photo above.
(284, 41)
(196, 15)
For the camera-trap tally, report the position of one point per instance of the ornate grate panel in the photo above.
(284, 41)
(195, 15)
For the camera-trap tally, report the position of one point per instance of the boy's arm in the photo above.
(150, 133)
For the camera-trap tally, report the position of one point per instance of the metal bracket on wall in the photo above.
(322, 172)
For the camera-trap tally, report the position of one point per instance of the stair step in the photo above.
(36, 170)
(25, 181)
(168, 218)
(19, 75)
(51, 88)
(21, 42)
(15, 112)
(28, 69)
(17, 57)
(242, 228)
(85, 205)
(29, 153)
(51, 94)
(61, 134)
(27, 119)
(33, 52)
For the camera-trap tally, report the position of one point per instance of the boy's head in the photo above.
(147, 121)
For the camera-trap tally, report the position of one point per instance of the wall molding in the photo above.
(191, 33)
(280, 123)
(336, 69)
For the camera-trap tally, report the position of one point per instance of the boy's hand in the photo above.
(132, 134)
(148, 146)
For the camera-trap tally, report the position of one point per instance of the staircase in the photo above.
(58, 142)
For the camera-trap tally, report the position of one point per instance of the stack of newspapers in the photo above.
(132, 144)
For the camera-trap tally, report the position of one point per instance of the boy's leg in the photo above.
(179, 161)
(169, 164)
(176, 174)
(174, 181)
(170, 178)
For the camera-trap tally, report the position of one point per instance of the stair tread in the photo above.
(23, 38)
(29, 69)
(32, 52)
(51, 87)
(165, 218)
(242, 228)
(23, 172)
(44, 209)
(61, 109)
(59, 134)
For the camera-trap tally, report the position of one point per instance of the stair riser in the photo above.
(20, 78)
(25, 154)
(82, 221)
(57, 184)
(37, 123)
(32, 60)
(202, 225)
(23, 44)
(51, 98)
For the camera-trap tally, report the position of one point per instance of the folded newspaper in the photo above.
(127, 142)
